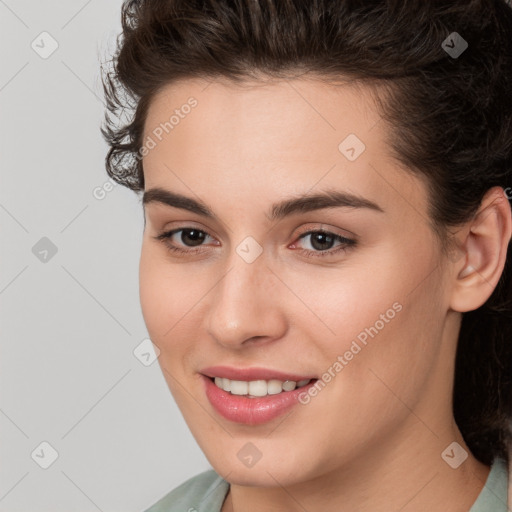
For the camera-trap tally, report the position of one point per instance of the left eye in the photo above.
(321, 241)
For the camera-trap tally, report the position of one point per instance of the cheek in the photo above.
(150, 290)
(349, 306)
(396, 350)
(162, 295)
(390, 321)
(169, 298)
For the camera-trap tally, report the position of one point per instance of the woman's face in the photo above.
(258, 294)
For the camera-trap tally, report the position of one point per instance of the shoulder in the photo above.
(493, 497)
(203, 492)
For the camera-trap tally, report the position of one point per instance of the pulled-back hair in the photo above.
(449, 121)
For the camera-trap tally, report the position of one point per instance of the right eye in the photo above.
(188, 234)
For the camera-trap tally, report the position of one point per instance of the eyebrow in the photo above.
(302, 204)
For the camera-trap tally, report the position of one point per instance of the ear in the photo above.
(485, 240)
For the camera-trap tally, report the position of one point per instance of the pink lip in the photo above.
(249, 374)
(251, 411)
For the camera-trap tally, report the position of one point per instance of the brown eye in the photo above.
(194, 236)
(190, 237)
(322, 243)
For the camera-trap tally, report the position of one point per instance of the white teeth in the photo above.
(258, 388)
(274, 387)
(239, 387)
(289, 385)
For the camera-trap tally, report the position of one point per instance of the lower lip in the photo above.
(251, 411)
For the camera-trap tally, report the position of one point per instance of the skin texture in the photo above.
(372, 438)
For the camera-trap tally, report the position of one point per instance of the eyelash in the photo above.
(346, 243)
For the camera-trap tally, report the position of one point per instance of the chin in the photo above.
(233, 462)
(270, 475)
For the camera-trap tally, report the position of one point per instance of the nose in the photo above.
(245, 307)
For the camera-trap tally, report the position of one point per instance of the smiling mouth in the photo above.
(258, 388)
(253, 396)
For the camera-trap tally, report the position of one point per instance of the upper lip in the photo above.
(249, 374)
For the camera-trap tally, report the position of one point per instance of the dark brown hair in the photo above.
(449, 118)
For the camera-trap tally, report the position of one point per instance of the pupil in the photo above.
(319, 237)
(195, 235)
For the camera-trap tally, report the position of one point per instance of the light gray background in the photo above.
(70, 324)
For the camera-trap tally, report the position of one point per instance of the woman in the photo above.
(325, 266)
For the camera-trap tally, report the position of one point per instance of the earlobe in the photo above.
(487, 238)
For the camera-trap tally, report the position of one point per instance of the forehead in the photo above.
(284, 135)
(284, 111)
